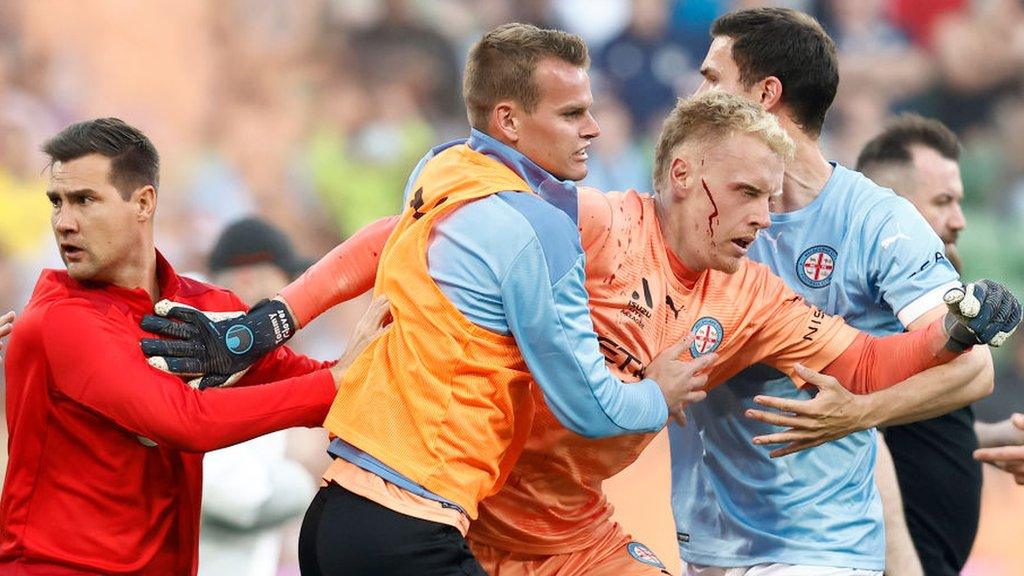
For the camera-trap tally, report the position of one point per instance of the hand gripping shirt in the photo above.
(643, 301)
(858, 251)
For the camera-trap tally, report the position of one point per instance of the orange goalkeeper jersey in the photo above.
(643, 300)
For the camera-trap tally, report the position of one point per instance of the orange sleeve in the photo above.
(783, 330)
(870, 364)
(344, 273)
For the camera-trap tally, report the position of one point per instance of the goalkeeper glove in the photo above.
(983, 312)
(217, 346)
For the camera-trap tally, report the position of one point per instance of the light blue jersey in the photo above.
(858, 251)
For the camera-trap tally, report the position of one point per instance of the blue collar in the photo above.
(559, 193)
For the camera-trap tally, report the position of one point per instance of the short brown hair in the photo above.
(501, 66)
(134, 161)
(713, 116)
(793, 47)
(892, 146)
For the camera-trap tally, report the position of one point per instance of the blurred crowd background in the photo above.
(311, 114)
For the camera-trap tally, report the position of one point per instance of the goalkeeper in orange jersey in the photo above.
(660, 268)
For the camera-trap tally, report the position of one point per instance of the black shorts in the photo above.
(346, 534)
(941, 486)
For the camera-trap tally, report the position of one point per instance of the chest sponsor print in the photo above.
(815, 266)
(638, 310)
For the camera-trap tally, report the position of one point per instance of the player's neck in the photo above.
(806, 175)
(671, 236)
(140, 272)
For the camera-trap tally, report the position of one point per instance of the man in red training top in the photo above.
(659, 268)
(105, 464)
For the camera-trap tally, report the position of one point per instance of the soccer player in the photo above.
(851, 248)
(939, 481)
(657, 269)
(104, 474)
(436, 411)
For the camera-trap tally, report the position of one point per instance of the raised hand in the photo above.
(374, 322)
(1007, 458)
(682, 382)
(6, 326)
(833, 413)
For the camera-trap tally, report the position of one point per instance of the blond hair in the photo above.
(501, 66)
(712, 117)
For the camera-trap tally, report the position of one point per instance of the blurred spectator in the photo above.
(250, 163)
(217, 192)
(367, 140)
(25, 119)
(691, 20)
(880, 68)
(596, 21)
(873, 53)
(1009, 131)
(24, 98)
(980, 52)
(251, 489)
(25, 217)
(645, 66)
(398, 48)
(617, 160)
(918, 18)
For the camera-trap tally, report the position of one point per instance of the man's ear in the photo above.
(505, 121)
(771, 93)
(144, 199)
(680, 177)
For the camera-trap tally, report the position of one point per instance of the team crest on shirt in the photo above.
(644, 554)
(815, 266)
(707, 336)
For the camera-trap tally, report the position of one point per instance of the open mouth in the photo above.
(743, 243)
(71, 252)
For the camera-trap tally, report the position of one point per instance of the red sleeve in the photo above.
(344, 273)
(871, 364)
(95, 360)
